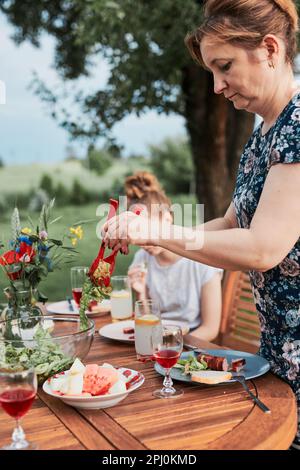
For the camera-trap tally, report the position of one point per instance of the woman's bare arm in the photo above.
(221, 223)
(274, 230)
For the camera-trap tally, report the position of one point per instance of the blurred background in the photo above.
(96, 90)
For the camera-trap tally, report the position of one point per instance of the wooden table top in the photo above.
(205, 417)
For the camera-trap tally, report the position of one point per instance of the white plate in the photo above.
(63, 308)
(115, 330)
(97, 402)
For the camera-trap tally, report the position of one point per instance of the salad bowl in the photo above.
(47, 343)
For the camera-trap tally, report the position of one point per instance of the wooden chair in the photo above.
(240, 327)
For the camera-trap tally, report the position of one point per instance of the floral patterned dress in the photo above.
(277, 291)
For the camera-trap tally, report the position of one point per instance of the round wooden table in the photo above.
(205, 417)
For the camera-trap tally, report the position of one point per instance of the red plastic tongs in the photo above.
(111, 259)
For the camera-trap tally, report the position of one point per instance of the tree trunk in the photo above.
(217, 135)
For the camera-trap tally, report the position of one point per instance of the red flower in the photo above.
(12, 259)
(26, 250)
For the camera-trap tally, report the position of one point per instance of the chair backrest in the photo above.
(240, 328)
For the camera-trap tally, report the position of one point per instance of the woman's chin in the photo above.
(241, 103)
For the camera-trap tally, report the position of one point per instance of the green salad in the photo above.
(191, 364)
(46, 357)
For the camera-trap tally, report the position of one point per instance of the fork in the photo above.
(69, 300)
(195, 349)
(242, 380)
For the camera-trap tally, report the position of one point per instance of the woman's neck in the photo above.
(166, 258)
(277, 102)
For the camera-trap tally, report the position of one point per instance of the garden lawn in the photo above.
(57, 284)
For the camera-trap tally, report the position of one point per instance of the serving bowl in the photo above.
(95, 402)
(47, 343)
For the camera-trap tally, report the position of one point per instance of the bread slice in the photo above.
(210, 376)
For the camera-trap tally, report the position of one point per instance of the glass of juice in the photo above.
(78, 277)
(146, 320)
(17, 392)
(121, 298)
(167, 346)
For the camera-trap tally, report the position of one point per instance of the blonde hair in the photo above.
(244, 23)
(143, 188)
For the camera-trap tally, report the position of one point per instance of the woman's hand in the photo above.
(137, 279)
(129, 228)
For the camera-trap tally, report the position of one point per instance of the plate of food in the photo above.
(65, 307)
(124, 330)
(216, 366)
(93, 386)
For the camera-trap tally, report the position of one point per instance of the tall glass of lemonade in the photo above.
(121, 298)
(147, 320)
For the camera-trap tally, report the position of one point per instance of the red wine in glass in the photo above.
(16, 402)
(17, 392)
(166, 358)
(167, 345)
(77, 293)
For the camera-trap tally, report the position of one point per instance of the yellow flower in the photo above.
(77, 231)
(26, 231)
(74, 241)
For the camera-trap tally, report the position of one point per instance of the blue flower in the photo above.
(25, 239)
(43, 250)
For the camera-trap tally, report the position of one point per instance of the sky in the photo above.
(29, 135)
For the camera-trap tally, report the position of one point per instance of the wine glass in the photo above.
(78, 278)
(17, 392)
(167, 346)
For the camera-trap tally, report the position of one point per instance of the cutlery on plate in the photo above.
(195, 349)
(242, 380)
(71, 308)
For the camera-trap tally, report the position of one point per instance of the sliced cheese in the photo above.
(75, 384)
(210, 376)
(77, 367)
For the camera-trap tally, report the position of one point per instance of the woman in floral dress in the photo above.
(249, 46)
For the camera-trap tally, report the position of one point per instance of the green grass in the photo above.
(57, 285)
(18, 179)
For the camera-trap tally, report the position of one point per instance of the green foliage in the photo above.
(62, 195)
(47, 185)
(1, 162)
(142, 42)
(98, 160)
(37, 199)
(3, 204)
(171, 162)
(79, 194)
(18, 183)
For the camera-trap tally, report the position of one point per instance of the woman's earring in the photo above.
(271, 64)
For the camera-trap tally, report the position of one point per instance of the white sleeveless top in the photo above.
(177, 287)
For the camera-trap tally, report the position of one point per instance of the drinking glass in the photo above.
(167, 347)
(147, 319)
(17, 392)
(121, 298)
(78, 278)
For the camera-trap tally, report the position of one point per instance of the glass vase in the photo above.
(22, 306)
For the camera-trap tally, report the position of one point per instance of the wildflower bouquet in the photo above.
(34, 253)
